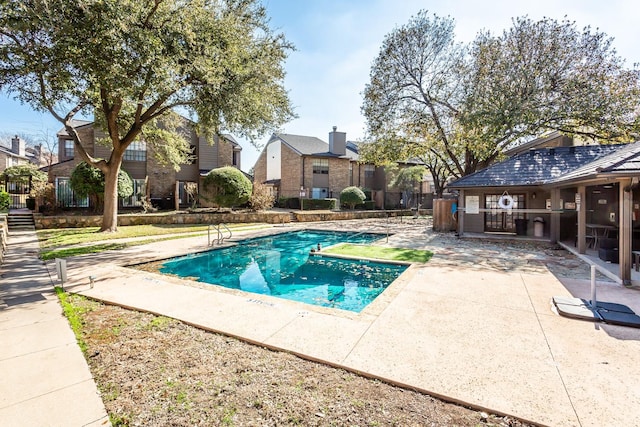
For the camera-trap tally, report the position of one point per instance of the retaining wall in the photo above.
(269, 217)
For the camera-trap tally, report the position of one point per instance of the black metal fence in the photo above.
(65, 196)
(18, 192)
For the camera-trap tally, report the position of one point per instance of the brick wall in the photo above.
(225, 153)
(338, 176)
(260, 168)
(62, 169)
(86, 135)
(162, 179)
(291, 172)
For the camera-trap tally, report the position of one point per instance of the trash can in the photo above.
(521, 226)
(538, 226)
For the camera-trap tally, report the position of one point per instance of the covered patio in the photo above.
(586, 198)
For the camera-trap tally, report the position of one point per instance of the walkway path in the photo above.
(44, 378)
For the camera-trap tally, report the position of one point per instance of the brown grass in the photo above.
(156, 371)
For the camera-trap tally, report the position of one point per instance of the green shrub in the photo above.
(289, 202)
(319, 204)
(227, 187)
(24, 173)
(368, 205)
(125, 184)
(282, 202)
(87, 180)
(367, 193)
(5, 200)
(352, 196)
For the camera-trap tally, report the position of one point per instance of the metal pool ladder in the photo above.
(219, 233)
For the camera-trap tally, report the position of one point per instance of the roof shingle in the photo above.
(537, 167)
(312, 146)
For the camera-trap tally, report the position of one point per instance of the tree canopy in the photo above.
(458, 108)
(131, 63)
(24, 173)
(406, 180)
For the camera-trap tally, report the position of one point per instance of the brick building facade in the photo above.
(296, 165)
(162, 184)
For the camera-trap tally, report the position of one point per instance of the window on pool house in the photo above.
(136, 152)
(321, 166)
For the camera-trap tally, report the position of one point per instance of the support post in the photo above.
(554, 227)
(461, 211)
(625, 215)
(61, 270)
(582, 219)
(594, 301)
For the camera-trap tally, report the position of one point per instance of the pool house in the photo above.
(585, 197)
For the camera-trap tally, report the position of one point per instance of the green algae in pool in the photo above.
(281, 266)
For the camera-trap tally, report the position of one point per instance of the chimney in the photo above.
(337, 142)
(18, 146)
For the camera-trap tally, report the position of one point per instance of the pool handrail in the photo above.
(221, 237)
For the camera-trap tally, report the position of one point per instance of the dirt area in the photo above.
(155, 371)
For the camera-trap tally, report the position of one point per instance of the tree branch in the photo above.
(77, 143)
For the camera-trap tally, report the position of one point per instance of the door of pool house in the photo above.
(498, 220)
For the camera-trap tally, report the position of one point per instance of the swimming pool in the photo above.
(282, 266)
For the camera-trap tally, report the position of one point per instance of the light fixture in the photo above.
(533, 195)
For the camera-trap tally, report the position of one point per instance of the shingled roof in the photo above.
(542, 166)
(624, 161)
(312, 146)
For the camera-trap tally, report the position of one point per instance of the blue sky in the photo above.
(336, 42)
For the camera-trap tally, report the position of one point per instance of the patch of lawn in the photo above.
(75, 307)
(48, 254)
(81, 250)
(73, 236)
(381, 252)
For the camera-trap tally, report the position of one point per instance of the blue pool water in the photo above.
(281, 266)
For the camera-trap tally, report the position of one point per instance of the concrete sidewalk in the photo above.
(44, 378)
(474, 325)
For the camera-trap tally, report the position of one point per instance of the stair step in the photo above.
(20, 221)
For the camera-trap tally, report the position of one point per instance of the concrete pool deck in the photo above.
(473, 325)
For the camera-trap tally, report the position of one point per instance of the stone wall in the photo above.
(77, 221)
(309, 216)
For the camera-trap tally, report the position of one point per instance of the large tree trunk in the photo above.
(110, 214)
